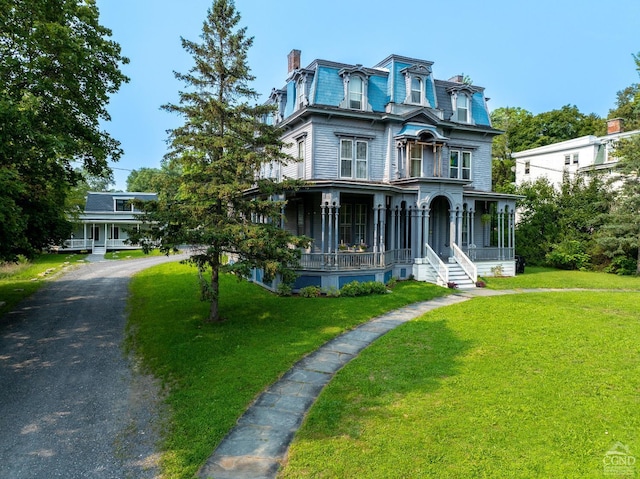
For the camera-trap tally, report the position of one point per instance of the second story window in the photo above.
(527, 167)
(415, 161)
(353, 159)
(460, 165)
(301, 151)
(356, 92)
(124, 205)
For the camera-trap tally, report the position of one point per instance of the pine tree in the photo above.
(220, 202)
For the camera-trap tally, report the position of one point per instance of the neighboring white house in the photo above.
(573, 157)
(104, 223)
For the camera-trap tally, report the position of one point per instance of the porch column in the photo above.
(336, 228)
(459, 227)
(407, 217)
(426, 230)
(106, 235)
(452, 230)
(323, 219)
(383, 229)
(376, 228)
(512, 231)
(419, 224)
(501, 234)
(472, 237)
(330, 223)
(84, 235)
(392, 229)
(414, 231)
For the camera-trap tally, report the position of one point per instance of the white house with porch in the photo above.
(103, 224)
(398, 171)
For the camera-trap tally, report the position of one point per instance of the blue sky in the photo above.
(535, 55)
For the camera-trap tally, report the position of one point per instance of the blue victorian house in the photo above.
(398, 172)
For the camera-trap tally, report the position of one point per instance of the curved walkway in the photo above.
(257, 445)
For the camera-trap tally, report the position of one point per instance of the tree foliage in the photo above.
(57, 70)
(219, 201)
(628, 103)
(555, 224)
(146, 180)
(523, 130)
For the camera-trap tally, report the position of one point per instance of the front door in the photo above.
(96, 234)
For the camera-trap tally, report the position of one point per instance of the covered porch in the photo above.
(395, 232)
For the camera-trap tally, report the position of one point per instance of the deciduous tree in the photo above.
(57, 70)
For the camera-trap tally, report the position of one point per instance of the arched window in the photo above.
(461, 107)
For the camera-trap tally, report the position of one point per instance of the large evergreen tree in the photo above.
(621, 235)
(57, 70)
(220, 202)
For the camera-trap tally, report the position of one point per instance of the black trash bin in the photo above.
(520, 262)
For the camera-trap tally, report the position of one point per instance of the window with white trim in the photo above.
(567, 159)
(576, 158)
(527, 167)
(301, 151)
(461, 107)
(353, 159)
(123, 204)
(417, 90)
(356, 92)
(415, 160)
(300, 96)
(353, 224)
(460, 165)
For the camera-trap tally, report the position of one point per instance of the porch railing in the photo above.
(353, 261)
(440, 268)
(465, 263)
(490, 254)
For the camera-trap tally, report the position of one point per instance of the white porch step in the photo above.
(458, 276)
(99, 250)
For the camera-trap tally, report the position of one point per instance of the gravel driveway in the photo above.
(71, 404)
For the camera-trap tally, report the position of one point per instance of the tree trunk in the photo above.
(638, 262)
(214, 313)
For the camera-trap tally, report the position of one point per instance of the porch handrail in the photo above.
(465, 263)
(438, 265)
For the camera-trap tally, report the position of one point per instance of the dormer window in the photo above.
(416, 90)
(461, 107)
(356, 81)
(356, 92)
(123, 204)
(416, 78)
(301, 92)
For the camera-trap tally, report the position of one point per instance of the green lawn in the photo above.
(19, 280)
(539, 277)
(131, 254)
(523, 386)
(214, 371)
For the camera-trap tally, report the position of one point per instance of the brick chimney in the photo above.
(457, 79)
(293, 60)
(614, 125)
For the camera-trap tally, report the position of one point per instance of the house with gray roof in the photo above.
(398, 172)
(103, 224)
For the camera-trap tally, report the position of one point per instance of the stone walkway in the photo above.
(257, 445)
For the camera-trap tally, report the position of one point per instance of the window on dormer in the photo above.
(356, 92)
(301, 98)
(461, 107)
(416, 90)
(124, 205)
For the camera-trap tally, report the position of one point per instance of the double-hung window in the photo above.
(460, 165)
(353, 159)
(124, 205)
(301, 165)
(356, 92)
(416, 90)
(415, 161)
(461, 107)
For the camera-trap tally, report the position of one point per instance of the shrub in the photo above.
(392, 282)
(480, 284)
(332, 292)
(570, 254)
(284, 289)
(356, 288)
(622, 265)
(497, 271)
(309, 292)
